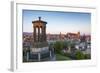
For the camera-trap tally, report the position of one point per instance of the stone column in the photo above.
(34, 34)
(50, 54)
(44, 33)
(27, 56)
(38, 34)
(42, 37)
(39, 56)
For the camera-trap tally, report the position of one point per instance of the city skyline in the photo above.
(57, 22)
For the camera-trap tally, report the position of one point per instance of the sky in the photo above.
(57, 22)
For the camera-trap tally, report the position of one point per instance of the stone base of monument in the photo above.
(34, 50)
(39, 54)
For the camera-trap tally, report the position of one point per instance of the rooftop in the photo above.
(39, 21)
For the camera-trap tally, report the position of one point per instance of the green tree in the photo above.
(58, 46)
(65, 44)
(79, 55)
(87, 56)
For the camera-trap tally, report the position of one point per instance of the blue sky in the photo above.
(58, 21)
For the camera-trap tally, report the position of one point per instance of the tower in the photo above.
(39, 44)
(39, 33)
(78, 35)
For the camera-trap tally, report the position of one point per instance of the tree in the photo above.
(65, 44)
(79, 55)
(70, 46)
(87, 56)
(58, 46)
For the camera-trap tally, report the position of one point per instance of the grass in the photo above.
(60, 57)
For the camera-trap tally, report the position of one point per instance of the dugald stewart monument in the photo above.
(39, 48)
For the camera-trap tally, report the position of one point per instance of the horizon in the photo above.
(58, 33)
(57, 22)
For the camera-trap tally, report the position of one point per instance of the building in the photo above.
(73, 35)
(36, 45)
